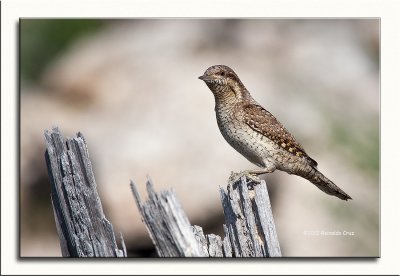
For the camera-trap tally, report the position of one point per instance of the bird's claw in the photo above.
(254, 179)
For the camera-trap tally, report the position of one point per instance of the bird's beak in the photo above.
(205, 78)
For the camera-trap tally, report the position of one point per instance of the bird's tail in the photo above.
(324, 184)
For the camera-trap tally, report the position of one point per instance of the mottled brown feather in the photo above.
(262, 121)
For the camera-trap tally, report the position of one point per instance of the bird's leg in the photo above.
(252, 174)
(248, 174)
(254, 179)
(260, 171)
(269, 168)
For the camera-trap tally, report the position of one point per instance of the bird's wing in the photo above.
(260, 120)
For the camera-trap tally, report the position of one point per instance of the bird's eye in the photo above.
(222, 74)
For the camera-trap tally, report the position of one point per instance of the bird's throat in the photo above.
(225, 97)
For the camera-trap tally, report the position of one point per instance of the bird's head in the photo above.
(223, 82)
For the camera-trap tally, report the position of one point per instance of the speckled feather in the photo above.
(265, 123)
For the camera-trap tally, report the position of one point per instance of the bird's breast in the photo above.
(257, 148)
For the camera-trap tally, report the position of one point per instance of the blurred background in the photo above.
(131, 87)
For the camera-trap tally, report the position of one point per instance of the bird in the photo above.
(257, 135)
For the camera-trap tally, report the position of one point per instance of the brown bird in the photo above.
(257, 134)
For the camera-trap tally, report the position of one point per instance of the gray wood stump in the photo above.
(249, 230)
(81, 224)
(249, 220)
(167, 223)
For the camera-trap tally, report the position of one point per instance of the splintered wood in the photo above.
(84, 231)
(249, 229)
(81, 224)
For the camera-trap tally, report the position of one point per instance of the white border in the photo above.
(389, 12)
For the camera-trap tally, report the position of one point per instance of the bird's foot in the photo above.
(254, 179)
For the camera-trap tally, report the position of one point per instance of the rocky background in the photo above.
(131, 87)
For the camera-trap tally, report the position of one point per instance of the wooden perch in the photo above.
(249, 229)
(249, 221)
(82, 227)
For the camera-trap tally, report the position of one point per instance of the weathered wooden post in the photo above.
(82, 227)
(85, 232)
(249, 230)
(249, 220)
(167, 224)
